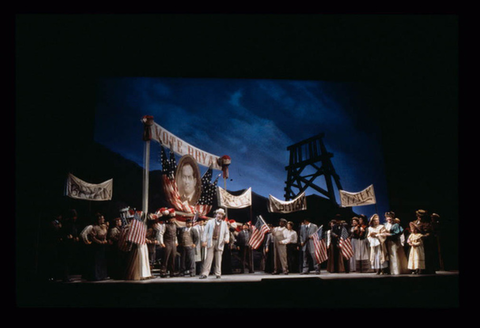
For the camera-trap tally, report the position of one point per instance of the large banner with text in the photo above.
(364, 197)
(79, 189)
(278, 206)
(225, 199)
(182, 147)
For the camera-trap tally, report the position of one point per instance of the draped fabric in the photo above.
(277, 206)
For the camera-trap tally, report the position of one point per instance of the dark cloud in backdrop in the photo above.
(251, 120)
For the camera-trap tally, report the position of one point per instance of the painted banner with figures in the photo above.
(278, 206)
(364, 197)
(79, 189)
(225, 199)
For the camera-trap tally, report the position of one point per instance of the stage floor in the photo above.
(259, 277)
(250, 291)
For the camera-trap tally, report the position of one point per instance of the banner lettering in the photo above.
(364, 197)
(277, 206)
(180, 147)
(225, 199)
(79, 189)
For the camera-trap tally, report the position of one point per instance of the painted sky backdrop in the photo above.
(251, 120)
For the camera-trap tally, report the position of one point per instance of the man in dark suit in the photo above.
(169, 242)
(246, 252)
(188, 238)
(308, 249)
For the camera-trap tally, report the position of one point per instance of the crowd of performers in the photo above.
(211, 247)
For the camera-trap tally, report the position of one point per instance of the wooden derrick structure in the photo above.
(307, 154)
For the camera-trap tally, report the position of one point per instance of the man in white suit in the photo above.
(214, 237)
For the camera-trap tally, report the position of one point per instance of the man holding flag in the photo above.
(258, 232)
(308, 247)
(345, 245)
(320, 246)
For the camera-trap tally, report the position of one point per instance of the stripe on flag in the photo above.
(258, 232)
(345, 244)
(137, 232)
(122, 240)
(320, 246)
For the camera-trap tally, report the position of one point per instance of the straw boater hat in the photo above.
(220, 211)
(421, 213)
(372, 217)
(390, 214)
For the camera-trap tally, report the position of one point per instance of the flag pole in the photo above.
(224, 162)
(147, 136)
(225, 186)
(251, 214)
(146, 177)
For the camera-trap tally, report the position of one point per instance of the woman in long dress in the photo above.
(396, 253)
(359, 262)
(378, 251)
(335, 262)
(138, 266)
(416, 257)
(99, 249)
(115, 265)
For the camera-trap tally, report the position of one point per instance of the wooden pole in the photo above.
(146, 172)
(225, 186)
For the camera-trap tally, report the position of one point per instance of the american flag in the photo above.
(125, 213)
(122, 240)
(320, 246)
(209, 189)
(164, 161)
(345, 244)
(258, 232)
(209, 192)
(137, 230)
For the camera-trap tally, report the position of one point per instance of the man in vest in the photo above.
(214, 237)
(187, 240)
(169, 243)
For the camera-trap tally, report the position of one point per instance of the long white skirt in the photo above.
(361, 255)
(376, 258)
(138, 266)
(398, 259)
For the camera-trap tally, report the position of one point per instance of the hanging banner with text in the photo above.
(278, 206)
(225, 199)
(79, 189)
(180, 147)
(364, 197)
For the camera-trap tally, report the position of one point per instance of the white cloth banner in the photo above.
(79, 189)
(180, 147)
(225, 199)
(278, 206)
(364, 197)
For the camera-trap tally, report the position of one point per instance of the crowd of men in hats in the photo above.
(206, 247)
